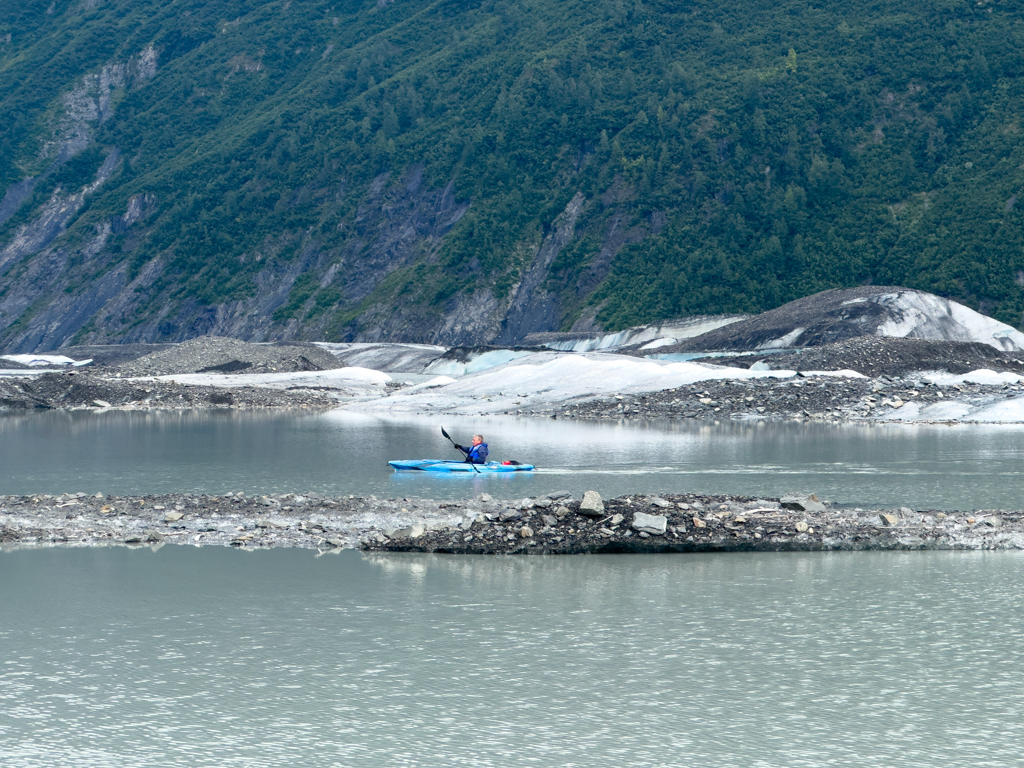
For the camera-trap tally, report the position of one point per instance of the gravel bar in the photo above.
(556, 523)
(794, 399)
(70, 390)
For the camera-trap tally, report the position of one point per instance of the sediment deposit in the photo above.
(799, 398)
(556, 523)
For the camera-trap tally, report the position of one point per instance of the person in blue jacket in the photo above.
(477, 452)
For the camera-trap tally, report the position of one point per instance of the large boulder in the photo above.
(592, 505)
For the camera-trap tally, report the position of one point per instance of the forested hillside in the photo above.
(466, 172)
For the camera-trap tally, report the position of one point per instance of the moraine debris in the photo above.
(554, 523)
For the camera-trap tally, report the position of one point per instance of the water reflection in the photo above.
(196, 657)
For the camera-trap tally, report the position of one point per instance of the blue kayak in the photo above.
(429, 465)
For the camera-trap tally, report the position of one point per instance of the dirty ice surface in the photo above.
(41, 360)
(668, 332)
(989, 408)
(925, 316)
(547, 379)
(363, 380)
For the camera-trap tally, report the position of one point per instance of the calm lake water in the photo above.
(114, 658)
(934, 466)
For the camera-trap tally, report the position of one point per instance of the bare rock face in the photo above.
(533, 308)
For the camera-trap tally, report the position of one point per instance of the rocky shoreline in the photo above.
(73, 390)
(894, 372)
(793, 399)
(556, 523)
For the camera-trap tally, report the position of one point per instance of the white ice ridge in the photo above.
(474, 363)
(35, 360)
(337, 378)
(670, 330)
(984, 408)
(925, 316)
(980, 376)
(550, 378)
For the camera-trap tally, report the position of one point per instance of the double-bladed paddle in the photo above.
(467, 455)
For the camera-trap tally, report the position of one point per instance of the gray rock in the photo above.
(887, 519)
(412, 532)
(906, 511)
(592, 505)
(549, 520)
(616, 519)
(509, 514)
(173, 517)
(802, 503)
(486, 498)
(657, 501)
(526, 532)
(802, 526)
(655, 524)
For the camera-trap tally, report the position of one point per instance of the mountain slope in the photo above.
(470, 172)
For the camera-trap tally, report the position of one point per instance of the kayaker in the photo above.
(477, 452)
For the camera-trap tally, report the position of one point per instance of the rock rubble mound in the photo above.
(215, 354)
(696, 523)
(556, 523)
(74, 389)
(877, 356)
